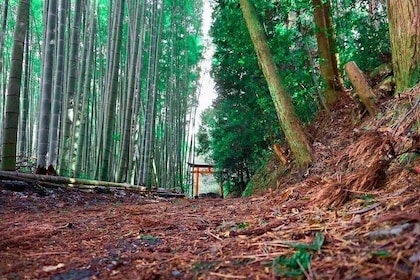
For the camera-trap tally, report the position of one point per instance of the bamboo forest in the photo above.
(210, 139)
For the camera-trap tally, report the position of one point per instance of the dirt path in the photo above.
(65, 234)
(355, 215)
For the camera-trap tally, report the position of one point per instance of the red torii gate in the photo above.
(203, 168)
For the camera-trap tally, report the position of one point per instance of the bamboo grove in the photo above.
(108, 87)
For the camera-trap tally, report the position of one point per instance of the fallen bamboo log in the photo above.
(78, 183)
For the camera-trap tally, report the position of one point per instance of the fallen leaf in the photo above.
(50, 268)
(416, 229)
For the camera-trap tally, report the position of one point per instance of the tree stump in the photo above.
(362, 87)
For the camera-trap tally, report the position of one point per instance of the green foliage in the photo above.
(180, 50)
(233, 226)
(203, 134)
(382, 253)
(266, 175)
(315, 246)
(249, 189)
(116, 137)
(199, 266)
(244, 122)
(149, 238)
(367, 197)
(362, 35)
(294, 266)
(243, 225)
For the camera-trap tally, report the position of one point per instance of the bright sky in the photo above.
(207, 93)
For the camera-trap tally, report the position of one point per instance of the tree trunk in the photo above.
(68, 106)
(13, 92)
(148, 134)
(292, 128)
(58, 84)
(339, 83)
(3, 83)
(83, 112)
(327, 50)
(404, 31)
(2, 33)
(47, 85)
(112, 88)
(131, 89)
(75, 149)
(24, 112)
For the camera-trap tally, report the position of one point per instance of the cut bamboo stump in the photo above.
(362, 87)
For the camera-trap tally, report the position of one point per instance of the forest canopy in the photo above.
(242, 125)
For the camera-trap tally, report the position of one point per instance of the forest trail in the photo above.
(364, 224)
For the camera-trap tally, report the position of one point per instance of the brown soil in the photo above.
(358, 195)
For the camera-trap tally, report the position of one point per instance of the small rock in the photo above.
(177, 274)
(356, 219)
(415, 258)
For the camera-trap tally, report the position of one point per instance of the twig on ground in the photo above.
(405, 116)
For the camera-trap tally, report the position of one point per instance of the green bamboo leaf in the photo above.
(382, 253)
(290, 267)
(315, 246)
(318, 241)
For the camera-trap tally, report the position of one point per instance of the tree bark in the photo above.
(292, 128)
(13, 92)
(404, 31)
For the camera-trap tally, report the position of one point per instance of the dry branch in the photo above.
(405, 116)
(279, 152)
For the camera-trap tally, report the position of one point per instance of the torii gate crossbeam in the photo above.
(198, 169)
